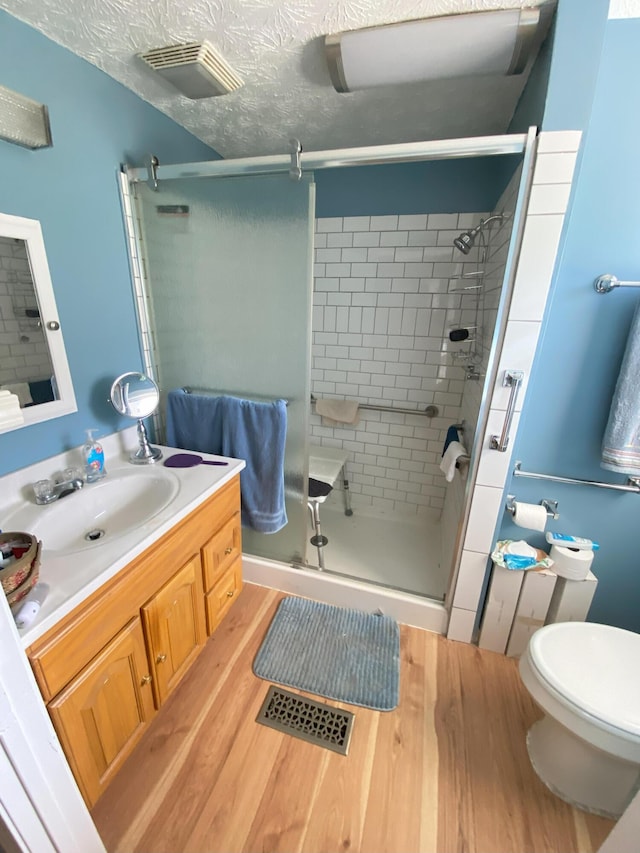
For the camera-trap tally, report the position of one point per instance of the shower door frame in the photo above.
(154, 173)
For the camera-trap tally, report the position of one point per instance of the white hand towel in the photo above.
(338, 412)
(451, 455)
(22, 390)
(10, 412)
(9, 401)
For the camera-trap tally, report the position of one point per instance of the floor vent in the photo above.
(307, 719)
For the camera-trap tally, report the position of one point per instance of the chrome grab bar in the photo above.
(512, 379)
(633, 483)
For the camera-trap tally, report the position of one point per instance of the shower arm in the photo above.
(485, 222)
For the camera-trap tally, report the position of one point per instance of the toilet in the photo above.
(586, 679)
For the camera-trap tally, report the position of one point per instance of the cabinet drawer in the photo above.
(221, 551)
(219, 600)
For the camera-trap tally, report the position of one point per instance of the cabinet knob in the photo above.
(230, 593)
(161, 658)
(146, 679)
(228, 550)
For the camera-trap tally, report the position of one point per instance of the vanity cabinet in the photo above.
(106, 667)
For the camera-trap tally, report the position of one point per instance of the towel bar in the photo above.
(633, 483)
(190, 389)
(606, 283)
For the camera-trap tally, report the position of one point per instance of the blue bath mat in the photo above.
(342, 654)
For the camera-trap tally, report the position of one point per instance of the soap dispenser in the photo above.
(93, 459)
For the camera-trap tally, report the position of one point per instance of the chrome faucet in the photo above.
(48, 491)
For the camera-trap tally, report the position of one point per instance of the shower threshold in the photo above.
(330, 588)
(378, 584)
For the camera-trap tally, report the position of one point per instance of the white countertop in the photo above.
(72, 577)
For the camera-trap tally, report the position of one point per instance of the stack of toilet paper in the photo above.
(571, 563)
(10, 411)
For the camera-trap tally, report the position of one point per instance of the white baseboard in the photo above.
(343, 592)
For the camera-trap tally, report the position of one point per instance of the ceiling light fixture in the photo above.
(464, 45)
(196, 69)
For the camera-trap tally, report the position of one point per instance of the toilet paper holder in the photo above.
(550, 506)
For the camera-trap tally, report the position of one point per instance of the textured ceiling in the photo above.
(276, 47)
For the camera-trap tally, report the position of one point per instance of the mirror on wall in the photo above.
(33, 360)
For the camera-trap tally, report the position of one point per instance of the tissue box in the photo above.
(532, 608)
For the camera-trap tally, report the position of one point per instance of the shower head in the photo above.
(464, 242)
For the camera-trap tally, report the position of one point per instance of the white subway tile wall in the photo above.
(24, 354)
(551, 188)
(381, 321)
(497, 236)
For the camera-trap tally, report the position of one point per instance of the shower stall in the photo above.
(245, 286)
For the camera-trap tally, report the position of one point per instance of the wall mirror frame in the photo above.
(64, 402)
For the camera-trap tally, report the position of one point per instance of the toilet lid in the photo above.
(594, 666)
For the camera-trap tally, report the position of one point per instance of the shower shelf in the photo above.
(469, 287)
(468, 290)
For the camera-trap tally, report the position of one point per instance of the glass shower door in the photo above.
(229, 269)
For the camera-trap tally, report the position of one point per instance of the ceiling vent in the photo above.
(196, 69)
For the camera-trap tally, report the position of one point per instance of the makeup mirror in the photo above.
(136, 396)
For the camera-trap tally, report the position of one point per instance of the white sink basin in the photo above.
(98, 513)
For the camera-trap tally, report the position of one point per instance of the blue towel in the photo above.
(621, 442)
(242, 429)
(452, 435)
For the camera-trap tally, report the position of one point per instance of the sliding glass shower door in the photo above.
(229, 270)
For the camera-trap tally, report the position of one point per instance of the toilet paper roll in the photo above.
(531, 516)
(571, 563)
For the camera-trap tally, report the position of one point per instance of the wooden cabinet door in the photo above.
(174, 627)
(102, 713)
(221, 551)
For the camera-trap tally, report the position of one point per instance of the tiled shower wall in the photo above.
(24, 355)
(383, 311)
(498, 237)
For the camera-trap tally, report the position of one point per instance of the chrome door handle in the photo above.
(512, 379)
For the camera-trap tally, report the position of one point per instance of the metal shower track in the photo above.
(406, 152)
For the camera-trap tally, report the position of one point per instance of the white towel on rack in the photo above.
(338, 412)
(451, 455)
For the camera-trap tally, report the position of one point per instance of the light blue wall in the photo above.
(577, 51)
(71, 188)
(584, 333)
(445, 186)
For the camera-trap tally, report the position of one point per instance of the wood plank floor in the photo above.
(446, 772)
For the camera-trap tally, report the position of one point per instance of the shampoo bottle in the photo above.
(93, 459)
